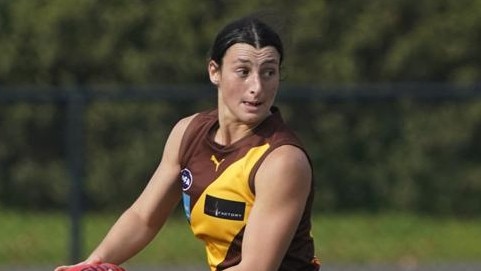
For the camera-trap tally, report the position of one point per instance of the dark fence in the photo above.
(306, 105)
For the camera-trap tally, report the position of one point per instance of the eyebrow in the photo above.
(268, 61)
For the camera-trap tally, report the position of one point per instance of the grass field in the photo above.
(36, 238)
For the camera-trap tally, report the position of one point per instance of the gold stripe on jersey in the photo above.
(232, 185)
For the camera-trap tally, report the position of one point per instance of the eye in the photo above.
(242, 72)
(268, 73)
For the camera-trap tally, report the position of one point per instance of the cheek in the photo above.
(232, 85)
(230, 89)
(272, 86)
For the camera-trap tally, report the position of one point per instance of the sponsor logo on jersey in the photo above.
(187, 179)
(216, 162)
(223, 208)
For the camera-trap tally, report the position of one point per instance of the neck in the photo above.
(228, 134)
(231, 129)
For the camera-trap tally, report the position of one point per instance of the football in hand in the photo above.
(96, 267)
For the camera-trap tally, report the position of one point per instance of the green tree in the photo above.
(72, 42)
(381, 41)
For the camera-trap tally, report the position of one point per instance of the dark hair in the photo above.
(250, 30)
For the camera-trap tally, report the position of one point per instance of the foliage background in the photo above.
(401, 155)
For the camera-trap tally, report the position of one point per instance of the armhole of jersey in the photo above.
(252, 175)
(186, 138)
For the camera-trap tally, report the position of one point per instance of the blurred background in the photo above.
(384, 94)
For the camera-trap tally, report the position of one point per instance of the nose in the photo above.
(256, 83)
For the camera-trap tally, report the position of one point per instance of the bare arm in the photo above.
(139, 224)
(282, 186)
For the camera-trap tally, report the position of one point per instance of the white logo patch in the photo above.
(187, 179)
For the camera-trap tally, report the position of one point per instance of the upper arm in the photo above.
(163, 191)
(283, 184)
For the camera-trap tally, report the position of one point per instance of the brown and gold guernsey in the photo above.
(218, 190)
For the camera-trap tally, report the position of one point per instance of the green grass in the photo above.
(36, 238)
(397, 238)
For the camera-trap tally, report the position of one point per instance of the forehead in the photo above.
(247, 52)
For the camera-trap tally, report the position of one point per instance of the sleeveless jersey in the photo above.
(218, 190)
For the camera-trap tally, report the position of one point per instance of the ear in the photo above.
(214, 72)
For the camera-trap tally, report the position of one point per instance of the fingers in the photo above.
(67, 267)
(61, 268)
(91, 264)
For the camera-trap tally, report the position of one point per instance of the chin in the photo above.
(253, 118)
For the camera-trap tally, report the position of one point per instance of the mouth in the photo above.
(252, 103)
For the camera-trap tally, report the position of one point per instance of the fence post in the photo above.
(76, 162)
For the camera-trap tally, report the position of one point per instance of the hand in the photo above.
(95, 267)
(67, 267)
(90, 260)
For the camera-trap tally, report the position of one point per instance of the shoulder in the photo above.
(286, 167)
(182, 124)
(196, 119)
(288, 157)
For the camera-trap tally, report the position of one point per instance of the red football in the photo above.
(96, 267)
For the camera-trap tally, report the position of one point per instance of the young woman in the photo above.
(243, 176)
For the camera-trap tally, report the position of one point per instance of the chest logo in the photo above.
(216, 162)
(223, 208)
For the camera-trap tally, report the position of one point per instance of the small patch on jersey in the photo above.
(186, 201)
(187, 179)
(223, 208)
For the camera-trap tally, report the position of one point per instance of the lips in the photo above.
(252, 103)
